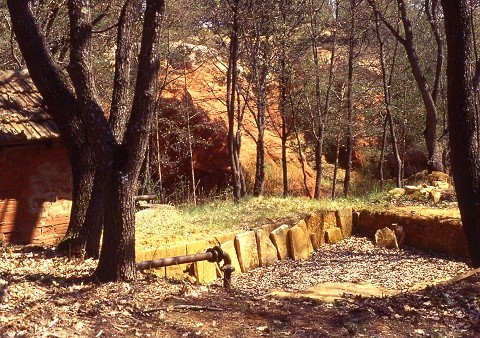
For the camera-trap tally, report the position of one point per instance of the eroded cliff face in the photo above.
(192, 131)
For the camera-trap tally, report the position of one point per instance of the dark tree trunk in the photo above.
(283, 114)
(91, 231)
(319, 127)
(232, 82)
(382, 152)
(462, 120)
(349, 133)
(117, 257)
(430, 132)
(335, 167)
(80, 118)
(387, 82)
(56, 94)
(259, 165)
(284, 81)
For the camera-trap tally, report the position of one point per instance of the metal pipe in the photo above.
(213, 255)
(145, 197)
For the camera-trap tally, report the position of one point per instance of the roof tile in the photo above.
(22, 113)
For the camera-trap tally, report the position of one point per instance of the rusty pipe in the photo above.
(213, 255)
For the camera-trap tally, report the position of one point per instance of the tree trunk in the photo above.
(259, 165)
(117, 258)
(232, 80)
(349, 134)
(387, 97)
(462, 120)
(54, 88)
(319, 137)
(335, 167)
(430, 132)
(382, 152)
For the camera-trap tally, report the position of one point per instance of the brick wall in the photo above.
(35, 193)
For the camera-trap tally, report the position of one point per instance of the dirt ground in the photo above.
(43, 294)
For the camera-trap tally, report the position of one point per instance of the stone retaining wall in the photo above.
(436, 234)
(289, 239)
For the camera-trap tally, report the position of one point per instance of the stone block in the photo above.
(329, 219)
(229, 248)
(268, 228)
(299, 243)
(279, 239)
(345, 221)
(267, 252)
(333, 235)
(386, 238)
(315, 226)
(314, 222)
(225, 237)
(176, 271)
(247, 253)
(204, 271)
(316, 243)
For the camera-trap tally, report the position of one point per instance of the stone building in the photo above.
(35, 176)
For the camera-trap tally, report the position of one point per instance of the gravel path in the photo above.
(355, 260)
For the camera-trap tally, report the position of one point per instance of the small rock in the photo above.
(333, 235)
(386, 238)
(436, 195)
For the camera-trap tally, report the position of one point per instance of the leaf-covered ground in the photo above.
(43, 294)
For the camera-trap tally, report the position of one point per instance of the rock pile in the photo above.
(436, 188)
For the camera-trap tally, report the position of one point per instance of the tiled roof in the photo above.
(23, 116)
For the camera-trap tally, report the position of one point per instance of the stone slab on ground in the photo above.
(247, 253)
(299, 242)
(204, 271)
(229, 248)
(267, 252)
(345, 221)
(333, 235)
(280, 240)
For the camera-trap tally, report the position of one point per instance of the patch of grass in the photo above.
(165, 225)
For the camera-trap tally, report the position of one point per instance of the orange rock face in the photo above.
(193, 115)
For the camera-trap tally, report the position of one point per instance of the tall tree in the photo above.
(232, 92)
(407, 40)
(387, 78)
(351, 60)
(117, 153)
(258, 61)
(463, 77)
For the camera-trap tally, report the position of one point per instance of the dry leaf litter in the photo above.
(43, 294)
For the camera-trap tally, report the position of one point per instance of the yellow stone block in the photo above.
(176, 271)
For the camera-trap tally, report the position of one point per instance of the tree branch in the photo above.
(143, 112)
(119, 111)
(80, 70)
(382, 18)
